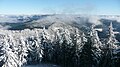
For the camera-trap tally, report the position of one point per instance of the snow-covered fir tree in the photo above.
(40, 47)
(112, 42)
(2, 50)
(12, 57)
(46, 46)
(22, 51)
(62, 47)
(110, 47)
(96, 45)
(56, 47)
(78, 41)
(86, 56)
(13, 43)
(34, 50)
(91, 49)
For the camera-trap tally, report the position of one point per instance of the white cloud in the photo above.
(94, 20)
(4, 27)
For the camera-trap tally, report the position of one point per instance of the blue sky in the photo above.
(111, 7)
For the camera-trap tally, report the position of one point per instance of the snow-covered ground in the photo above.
(43, 65)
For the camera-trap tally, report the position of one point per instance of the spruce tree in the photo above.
(12, 57)
(46, 46)
(86, 57)
(34, 51)
(78, 43)
(96, 46)
(111, 45)
(2, 51)
(22, 51)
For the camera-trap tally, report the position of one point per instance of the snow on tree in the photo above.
(91, 49)
(22, 51)
(86, 56)
(12, 42)
(78, 41)
(111, 38)
(61, 46)
(40, 48)
(63, 34)
(2, 50)
(110, 48)
(95, 46)
(95, 38)
(34, 50)
(56, 46)
(46, 45)
(66, 46)
(67, 36)
(12, 58)
(11, 49)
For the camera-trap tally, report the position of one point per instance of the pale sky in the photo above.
(111, 7)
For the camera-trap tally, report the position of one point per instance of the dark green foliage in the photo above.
(34, 51)
(86, 58)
